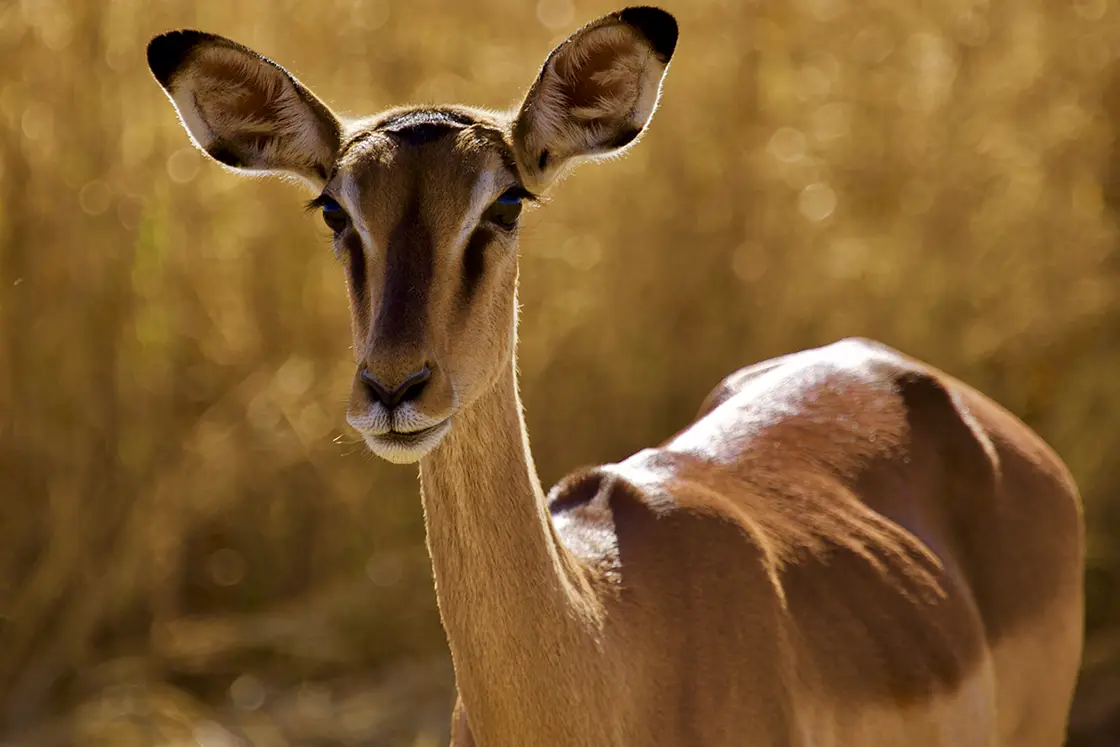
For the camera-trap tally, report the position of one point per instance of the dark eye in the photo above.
(333, 215)
(506, 209)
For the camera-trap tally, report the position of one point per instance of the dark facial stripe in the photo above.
(408, 275)
(356, 265)
(474, 261)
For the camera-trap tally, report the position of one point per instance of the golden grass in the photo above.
(189, 532)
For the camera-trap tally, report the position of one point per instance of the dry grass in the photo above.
(190, 537)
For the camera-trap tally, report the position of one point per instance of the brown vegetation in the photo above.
(193, 546)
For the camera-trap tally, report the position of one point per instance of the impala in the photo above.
(846, 547)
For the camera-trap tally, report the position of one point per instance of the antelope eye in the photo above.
(506, 209)
(333, 215)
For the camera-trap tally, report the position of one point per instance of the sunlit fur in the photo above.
(846, 547)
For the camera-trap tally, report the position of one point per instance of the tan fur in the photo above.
(846, 548)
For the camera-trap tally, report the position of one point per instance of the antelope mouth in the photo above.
(410, 437)
(402, 447)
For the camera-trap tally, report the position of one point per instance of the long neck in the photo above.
(516, 606)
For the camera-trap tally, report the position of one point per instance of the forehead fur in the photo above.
(436, 166)
(415, 127)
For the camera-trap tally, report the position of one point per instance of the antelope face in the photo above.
(424, 203)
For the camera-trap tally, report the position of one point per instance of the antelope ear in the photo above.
(243, 109)
(595, 93)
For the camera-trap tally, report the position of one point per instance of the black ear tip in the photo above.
(167, 52)
(657, 25)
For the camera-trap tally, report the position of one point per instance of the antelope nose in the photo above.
(409, 389)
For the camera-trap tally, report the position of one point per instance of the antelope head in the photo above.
(424, 202)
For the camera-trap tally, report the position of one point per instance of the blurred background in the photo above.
(194, 549)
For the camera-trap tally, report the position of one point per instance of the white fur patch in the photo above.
(349, 195)
(483, 194)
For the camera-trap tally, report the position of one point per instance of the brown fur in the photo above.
(846, 547)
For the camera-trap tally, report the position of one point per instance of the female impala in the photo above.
(847, 547)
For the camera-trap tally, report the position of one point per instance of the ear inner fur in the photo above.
(243, 109)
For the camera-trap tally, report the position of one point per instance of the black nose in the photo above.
(409, 389)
